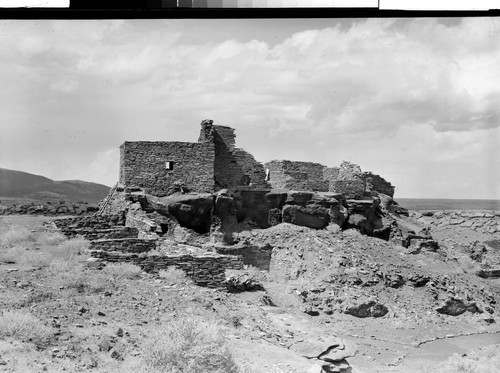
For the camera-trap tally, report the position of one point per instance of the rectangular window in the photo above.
(169, 165)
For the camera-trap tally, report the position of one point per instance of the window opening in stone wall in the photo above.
(169, 165)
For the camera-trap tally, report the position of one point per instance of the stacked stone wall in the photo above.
(47, 208)
(205, 270)
(256, 256)
(143, 165)
(331, 173)
(226, 135)
(297, 175)
(351, 189)
(252, 168)
(95, 226)
(125, 245)
(234, 166)
(480, 221)
(378, 184)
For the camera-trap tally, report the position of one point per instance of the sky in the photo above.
(415, 100)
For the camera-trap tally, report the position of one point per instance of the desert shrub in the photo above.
(50, 238)
(67, 256)
(11, 254)
(70, 248)
(231, 317)
(189, 345)
(38, 297)
(34, 258)
(23, 326)
(123, 270)
(486, 360)
(174, 275)
(82, 280)
(16, 235)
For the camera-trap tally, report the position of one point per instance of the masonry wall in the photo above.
(205, 270)
(297, 175)
(143, 165)
(331, 173)
(92, 227)
(234, 166)
(378, 184)
(127, 245)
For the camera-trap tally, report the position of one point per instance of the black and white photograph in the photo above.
(233, 194)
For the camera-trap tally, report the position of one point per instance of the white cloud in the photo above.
(383, 92)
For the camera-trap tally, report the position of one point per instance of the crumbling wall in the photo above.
(204, 269)
(143, 165)
(297, 175)
(126, 245)
(350, 181)
(232, 166)
(92, 227)
(253, 255)
(378, 184)
(49, 208)
(331, 173)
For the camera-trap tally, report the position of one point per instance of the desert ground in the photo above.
(62, 311)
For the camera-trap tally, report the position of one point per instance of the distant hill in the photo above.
(18, 184)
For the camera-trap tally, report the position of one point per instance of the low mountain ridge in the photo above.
(19, 184)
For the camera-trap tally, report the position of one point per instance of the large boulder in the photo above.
(313, 216)
(455, 307)
(313, 210)
(369, 308)
(193, 211)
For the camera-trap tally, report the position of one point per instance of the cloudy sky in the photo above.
(415, 100)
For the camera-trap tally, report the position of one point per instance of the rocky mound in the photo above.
(364, 276)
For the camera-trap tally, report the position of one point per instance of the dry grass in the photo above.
(84, 281)
(123, 270)
(23, 326)
(174, 276)
(50, 238)
(189, 345)
(485, 360)
(16, 236)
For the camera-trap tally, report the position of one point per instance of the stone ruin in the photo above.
(200, 195)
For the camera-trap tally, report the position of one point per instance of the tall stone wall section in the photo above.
(378, 184)
(233, 167)
(143, 165)
(297, 175)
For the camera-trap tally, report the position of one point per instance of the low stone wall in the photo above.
(205, 270)
(113, 233)
(124, 245)
(480, 221)
(257, 256)
(47, 208)
(93, 227)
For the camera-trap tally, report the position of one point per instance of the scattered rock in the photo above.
(455, 307)
(367, 309)
(105, 345)
(119, 332)
(116, 355)
(240, 283)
